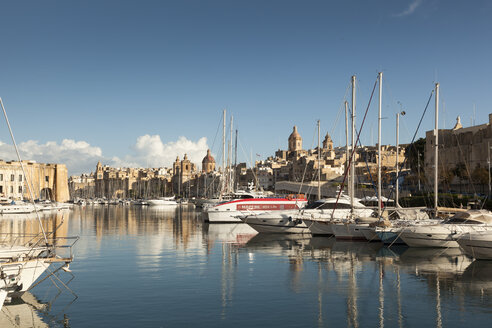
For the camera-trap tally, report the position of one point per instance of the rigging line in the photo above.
(305, 168)
(28, 183)
(413, 138)
(353, 150)
(342, 106)
(217, 132)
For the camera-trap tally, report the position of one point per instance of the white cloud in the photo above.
(411, 8)
(81, 157)
(150, 151)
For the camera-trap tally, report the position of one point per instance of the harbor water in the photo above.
(159, 267)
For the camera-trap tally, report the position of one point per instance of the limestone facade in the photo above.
(48, 181)
(466, 147)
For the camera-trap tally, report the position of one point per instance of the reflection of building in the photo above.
(49, 181)
(23, 313)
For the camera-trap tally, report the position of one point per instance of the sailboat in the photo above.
(21, 265)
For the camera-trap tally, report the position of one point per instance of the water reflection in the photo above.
(23, 312)
(230, 274)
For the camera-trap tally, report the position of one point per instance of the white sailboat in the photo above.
(477, 244)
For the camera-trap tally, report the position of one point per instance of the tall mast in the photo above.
(352, 166)
(223, 154)
(319, 162)
(436, 148)
(397, 164)
(235, 163)
(347, 152)
(379, 141)
(230, 156)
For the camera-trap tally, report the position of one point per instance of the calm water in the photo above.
(145, 267)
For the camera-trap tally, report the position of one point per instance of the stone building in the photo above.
(112, 183)
(460, 149)
(48, 181)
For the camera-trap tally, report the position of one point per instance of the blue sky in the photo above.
(139, 82)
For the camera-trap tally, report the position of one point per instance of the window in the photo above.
(20, 189)
(12, 177)
(11, 189)
(20, 177)
(1, 189)
(1, 177)
(47, 178)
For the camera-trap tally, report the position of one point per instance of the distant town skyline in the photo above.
(132, 83)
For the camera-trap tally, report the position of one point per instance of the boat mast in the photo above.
(28, 183)
(319, 162)
(379, 141)
(230, 157)
(397, 183)
(347, 152)
(436, 148)
(223, 153)
(352, 166)
(235, 163)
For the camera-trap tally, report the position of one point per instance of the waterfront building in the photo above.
(464, 156)
(48, 181)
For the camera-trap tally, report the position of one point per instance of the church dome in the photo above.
(208, 158)
(294, 133)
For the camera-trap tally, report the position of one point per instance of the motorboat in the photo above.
(321, 214)
(477, 244)
(447, 233)
(230, 211)
(277, 222)
(164, 201)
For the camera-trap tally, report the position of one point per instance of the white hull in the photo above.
(23, 273)
(224, 217)
(349, 231)
(370, 233)
(389, 235)
(477, 245)
(318, 227)
(230, 211)
(438, 235)
(162, 202)
(17, 209)
(278, 223)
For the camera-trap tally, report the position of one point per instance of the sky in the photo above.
(137, 83)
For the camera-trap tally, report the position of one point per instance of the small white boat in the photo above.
(277, 222)
(477, 244)
(320, 215)
(447, 233)
(164, 201)
(15, 208)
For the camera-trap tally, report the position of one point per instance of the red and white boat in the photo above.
(230, 211)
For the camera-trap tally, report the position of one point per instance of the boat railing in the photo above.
(36, 244)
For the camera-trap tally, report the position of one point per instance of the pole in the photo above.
(24, 172)
(379, 141)
(488, 162)
(436, 147)
(235, 163)
(347, 152)
(397, 191)
(352, 166)
(319, 163)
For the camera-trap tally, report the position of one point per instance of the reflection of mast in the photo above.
(438, 304)
(352, 298)
(381, 295)
(320, 295)
(398, 299)
(229, 264)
